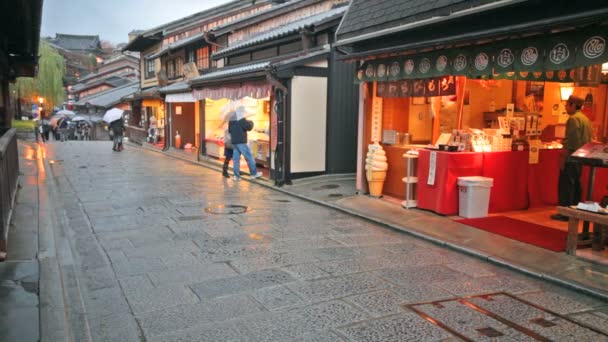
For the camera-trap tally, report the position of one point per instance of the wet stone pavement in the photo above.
(159, 250)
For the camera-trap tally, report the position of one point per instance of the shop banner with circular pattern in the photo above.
(481, 61)
(592, 48)
(513, 59)
(560, 52)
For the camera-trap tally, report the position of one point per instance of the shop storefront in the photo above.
(146, 125)
(288, 102)
(494, 100)
(220, 102)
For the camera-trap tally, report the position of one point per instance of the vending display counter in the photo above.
(517, 185)
(442, 197)
(214, 147)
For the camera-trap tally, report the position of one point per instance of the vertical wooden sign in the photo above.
(376, 133)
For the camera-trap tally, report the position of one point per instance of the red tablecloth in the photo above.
(517, 184)
(542, 179)
(442, 197)
(510, 173)
(600, 185)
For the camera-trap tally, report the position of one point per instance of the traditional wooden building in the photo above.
(19, 38)
(118, 69)
(167, 52)
(280, 64)
(433, 69)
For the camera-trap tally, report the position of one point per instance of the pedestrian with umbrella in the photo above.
(238, 132)
(114, 117)
(228, 150)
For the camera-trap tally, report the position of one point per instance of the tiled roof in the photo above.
(77, 42)
(225, 72)
(178, 44)
(285, 30)
(262, 14)
(110, 97)
(366, 16)
(299, 59)
(284, 62)
(114, 81)
(175, 87)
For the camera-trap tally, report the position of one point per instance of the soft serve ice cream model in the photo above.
(375, 169)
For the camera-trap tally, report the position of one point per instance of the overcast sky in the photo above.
(113, 19)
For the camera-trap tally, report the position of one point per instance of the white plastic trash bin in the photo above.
(474, 196)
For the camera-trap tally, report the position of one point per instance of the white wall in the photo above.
(308, 123)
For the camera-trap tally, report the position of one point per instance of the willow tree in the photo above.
(48, 83)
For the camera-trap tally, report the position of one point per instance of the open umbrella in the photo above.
(244, 112)
(55, 120)
(113, 115)
(78, 118)
(66, 112)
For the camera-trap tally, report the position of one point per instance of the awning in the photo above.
(180, 97)
(556, 58)
(256, 90)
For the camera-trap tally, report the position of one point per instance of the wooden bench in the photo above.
(574, 216)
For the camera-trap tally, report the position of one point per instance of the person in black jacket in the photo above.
(238, 133)
(117, 127)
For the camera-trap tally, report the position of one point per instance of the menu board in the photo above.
(376, 133)
(594, 154)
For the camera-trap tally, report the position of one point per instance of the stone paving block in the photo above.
(163, 249)
(105, 302)
(236, 252)
(181, 260)
(224, 332)
(598, 318)
(305, 244)
(325, 289)
(190, 316)
(398, 328)
(420, 274)
(470, 323)
(160, 298)
(14, 295)
(473, 269)
(114, 328)
(356, 265)
(116, 256)
(99, 278)
(556, 328)
(334, 253)
(135, 266)
(294, 323)
(369, 239)
(563, 302)
(329, 315)
(19, 324)
(324, 336)
(420, 293)
(136, 283)
(116, 244)
(192, 274)
(242, 283)
(277, 297)
(306, 271)
(270, 261)
(378, 303)
(477, 286)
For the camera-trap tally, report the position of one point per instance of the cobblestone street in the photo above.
(151, 248)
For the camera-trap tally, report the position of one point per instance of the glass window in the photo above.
(150, 68)
(202, 58)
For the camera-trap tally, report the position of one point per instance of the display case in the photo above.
(261, 152)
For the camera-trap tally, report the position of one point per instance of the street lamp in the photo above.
(40, 109)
